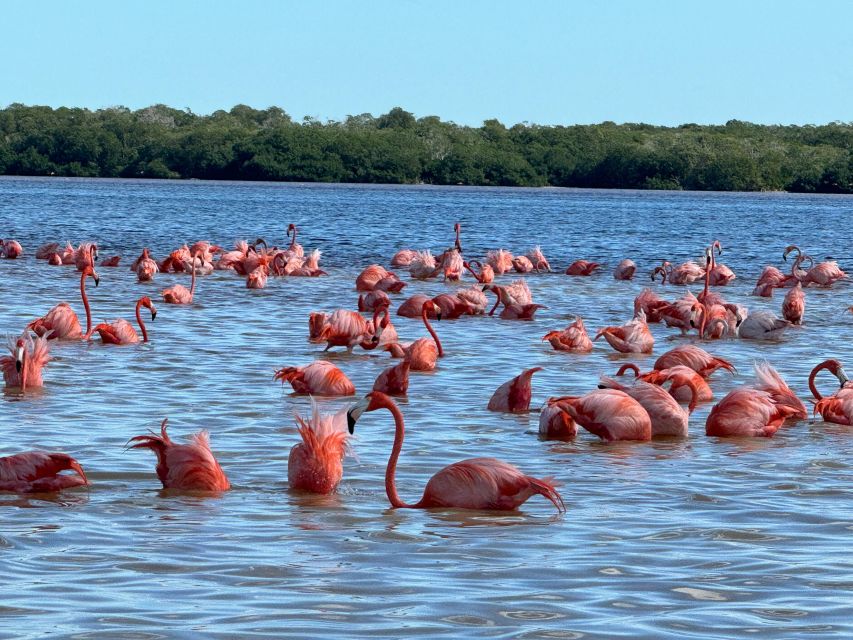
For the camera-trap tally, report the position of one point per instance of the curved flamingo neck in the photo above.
(293, 242)
(391, 469)
(694, 395)
(432, 332)
(458, 231)
(812, 385)
(708, 269)
(25, 360)
(470, 267)
(89, 328)
(139, 320)
(497, 291)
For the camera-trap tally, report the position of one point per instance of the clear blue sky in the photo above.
(548, 62)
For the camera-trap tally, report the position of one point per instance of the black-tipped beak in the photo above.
(97, 281)
(601, 386)
(438, 316)
(153, 314)
(350, 423)
(18, 366)
(692, 324)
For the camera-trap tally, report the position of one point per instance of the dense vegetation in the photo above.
(250, 144)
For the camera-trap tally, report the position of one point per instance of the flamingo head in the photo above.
(90, 271)
(145, 301)
(19, 355)
(789, 249)
(371, 402)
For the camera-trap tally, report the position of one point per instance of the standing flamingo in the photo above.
(423, 352)
(514, 395)
(120, 331)
(476, 483)
(23, 368)
(315, 465)
(320, 378)
(179, 294)
(719, 274)
(39, 472)
(185, 467)
(573, 338)
(61, 323)
(294, 248)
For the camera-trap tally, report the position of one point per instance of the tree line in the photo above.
(251, 144)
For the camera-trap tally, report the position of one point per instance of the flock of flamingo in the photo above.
(648, 406)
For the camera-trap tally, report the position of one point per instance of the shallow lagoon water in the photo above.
(669, 539)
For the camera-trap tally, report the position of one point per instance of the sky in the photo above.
(545, 62)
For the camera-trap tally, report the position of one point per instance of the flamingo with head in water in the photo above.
(39, 472)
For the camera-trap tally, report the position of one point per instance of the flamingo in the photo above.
(522, 264)
(230, 259)
(376, 277)
(685, 273)
(582, 268)
(61, 323)
(476, 483)
(320, 378)
(668, 418)
(451, 264)
(610, 414)
(651, 304)
(413, 307)
(10, 249)
(120, 331)
(86, 255)
(422, 266)
(179, 294)
(373, 300)
(794, 305)
(475, 298)
(185, 467)
(762, 325)
(513, 309)
(146, 267)
(719, 274)
(486, 275)
(625, 270)
(452, 306)
(403, 258)
(684, 314)
(514, 395)
(423, 352)
(695, 358)
(315, 465)
(678, 375)
(39, 472)
(555, 421)
(47, 250)
(112, 261)
(394, 381)
(573, 338)
(345, 328)
(500, 261)
(837, 407)
(294, 248)
(632, 337)
(538, 260)
(823, 274)
(23, 368)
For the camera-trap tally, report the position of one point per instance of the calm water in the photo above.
(669, 539)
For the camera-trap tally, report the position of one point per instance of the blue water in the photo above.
(690, 538)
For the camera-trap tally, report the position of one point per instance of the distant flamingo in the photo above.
(685, 273)
(315, 465)
(112, 261)
(512, 310)
(39, 472)
(476, 483)
(475, 298)
(120, 331)
(452, 306)
(394, 381)
(294, 248)
(538, 260)
(179, 294)
(423, 352)
(651, 304)
(694, 358)
(185, 467)
(423, 265)
(500, 261)
(522, 264)
(823, 274)
(573, 338)
(61, 323)
(555, 421)
(320, 378)
(582, 268)
(257, 278)
(625, 270)
(46, 250)
(486, 275)
(720, 275)
(403, 258)
(610, 414)
(632, 337)
(146, 267)
(23, 368)
(794, 305)
(514, 395)
(450, 264)
(10, 249)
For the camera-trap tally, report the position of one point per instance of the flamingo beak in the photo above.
(842, 377)
(153, 314)
(354, 413)
(19, 358)
(97, 280)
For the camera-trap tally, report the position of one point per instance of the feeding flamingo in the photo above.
(694, 358)
(610, 414)
(320, 378)
(486, 275)
(373, 300)
(476, 483)
(377, 277)
(185, 467)
(632, 337)
(146, 267)
(668, 418)
(514, 395)
(23, 368)
(573, 338)
(538, 260)
(39, 472)
(10, 249)
(794, 305)
(582, 268)
(120, 331)
(836, 408)
(394, 381)
(315, 465)
(513, 309)
(625, 270)
(522, 264)
(500, 261)
(683, 381)
(651, 304)
(61, 323)
(556, 422)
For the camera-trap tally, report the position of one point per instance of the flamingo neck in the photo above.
(192, 282)
(458, 231)
(139, 320)
(293, 242)
(812, 385)
(432, 333)
(391, 469)
(497, 302)
(89, 328)
(25, 361)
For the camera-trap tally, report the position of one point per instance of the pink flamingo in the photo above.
(185, 467)
(538, 260)
(625, 270)
(23, 368)
(423, 265)
(522, 264)
(394, 381)
(632, 337)
(573, 338)
(403, 258)
(794, 305)
(486, 275)
(555, 421)
(179, 294)
(86, 255)
(695, 358)
(345, 328)
(452, 306)
(423, 352)
(320, 378)
(146, 267)
(315, 465)
(610, 414)
(651, 304)
(39, 472)
(500, 261)
(376, 277)
(512, 310)
(112, 261)
(475, 299)
(294, 248)
(450, 263)
(678, 375)
(257, 278)
(837, 407)
(47, 250)
(720, 275)
(10, 249)
(667, 416)
(476, 483)
(685, 273)
(61, 323)
(413, 307)
(514, 395)
(582, 268)
(684, 314)
(373, 300)
(120, 331)
(229, 259)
